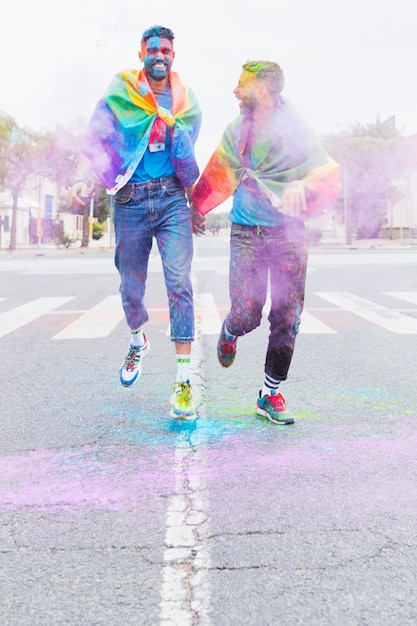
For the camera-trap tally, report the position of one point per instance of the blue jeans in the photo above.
(281, 253)
(155, 208)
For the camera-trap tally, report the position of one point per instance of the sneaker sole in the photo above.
(285, 421)
(222, 363)
(178, 414)
(130, 383)
(182, 415)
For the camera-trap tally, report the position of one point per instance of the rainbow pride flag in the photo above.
(127, 119)
(289, 151)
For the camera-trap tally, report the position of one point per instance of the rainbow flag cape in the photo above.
(128, 118)
(290, 152)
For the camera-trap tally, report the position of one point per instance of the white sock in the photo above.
(270, 386)
(183, 367)
(138, 339)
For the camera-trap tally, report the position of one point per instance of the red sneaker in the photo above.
(273, 408)
(226, 350)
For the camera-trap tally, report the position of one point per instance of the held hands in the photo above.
(199, 221)
(79, 194)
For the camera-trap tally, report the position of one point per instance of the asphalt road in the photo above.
(112, 513)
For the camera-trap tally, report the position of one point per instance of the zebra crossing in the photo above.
(103, 317)
(372, 312)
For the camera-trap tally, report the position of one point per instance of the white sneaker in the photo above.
(131, 368)
(182, 406)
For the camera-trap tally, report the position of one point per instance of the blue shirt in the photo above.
(157, 164)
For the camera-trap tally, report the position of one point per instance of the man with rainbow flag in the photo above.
(278, 173)
(140, 145)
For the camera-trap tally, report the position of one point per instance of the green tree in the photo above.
(370, 157)
(101, 204)
(21, 155)
(60, 166)
(54, 155)
(60, 160)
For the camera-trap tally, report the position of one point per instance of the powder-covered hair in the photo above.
(157, 31)
(268, 72)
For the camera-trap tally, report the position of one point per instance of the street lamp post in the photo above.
(348, 236)
(90, 219)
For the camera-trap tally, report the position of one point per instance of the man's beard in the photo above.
(248, 105)
(157, 73)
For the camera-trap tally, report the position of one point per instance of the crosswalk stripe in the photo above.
(407, 296)
(21, 315)
(311, 325)
(97, 322)
(377, 314)
(207, 316)
(102, 319)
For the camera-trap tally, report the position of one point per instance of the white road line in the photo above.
(407, 296)
(102, 319)
(218, 264)
(21, 315)
(97, 322)
(381, 316)
(311, 325)
(208, 320)
(185, 591)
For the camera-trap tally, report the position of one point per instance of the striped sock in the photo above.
(270, 385)
(228, 335)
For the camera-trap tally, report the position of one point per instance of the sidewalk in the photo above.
(326, 242)
(330, 243)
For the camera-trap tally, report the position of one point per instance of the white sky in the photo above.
(343, 61)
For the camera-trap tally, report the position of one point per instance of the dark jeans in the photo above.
(281, 253)
(155, 208)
